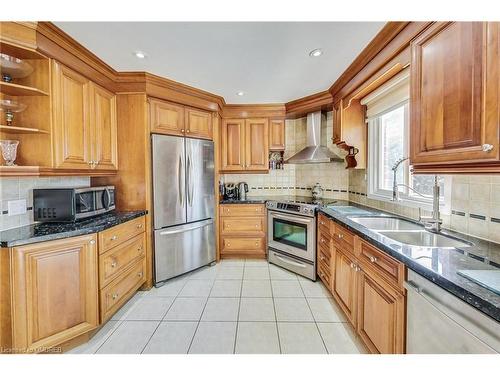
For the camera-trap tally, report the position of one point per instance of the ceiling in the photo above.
(268, 61)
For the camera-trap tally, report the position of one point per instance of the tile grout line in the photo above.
(275, 313)
(239, 307)
(120, 322)
(314, 319)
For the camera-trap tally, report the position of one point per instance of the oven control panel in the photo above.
(291, 207)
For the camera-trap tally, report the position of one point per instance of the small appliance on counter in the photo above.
(61, 205)
(242, 191)
(230, 191)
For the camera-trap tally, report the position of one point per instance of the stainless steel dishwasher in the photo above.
(439, 322)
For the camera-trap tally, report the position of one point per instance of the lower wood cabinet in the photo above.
(366, 283)
(54, 292)
(242, 231)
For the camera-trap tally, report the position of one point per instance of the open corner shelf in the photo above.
(21, 130)
(13, 89)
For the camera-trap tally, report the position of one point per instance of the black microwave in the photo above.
(71, 204)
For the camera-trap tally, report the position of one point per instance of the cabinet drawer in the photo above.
(242, 210)
(121, 289)
(384, 265)
(324, 254)
(114, 236)
(241, 244)
(118, 258)
(344, 238)
(251, 226)
(324, 224)
(325, 274)
(324, 239)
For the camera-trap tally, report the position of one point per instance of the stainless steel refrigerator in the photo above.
(184, 205)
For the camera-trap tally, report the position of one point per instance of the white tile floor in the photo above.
(235, 306)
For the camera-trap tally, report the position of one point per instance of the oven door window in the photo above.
(85, 202)
(290, 233)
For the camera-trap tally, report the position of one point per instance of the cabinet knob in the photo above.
(114, 296)
(352, 265)
(113, 264)
(92, 242)
(187, 131)
(340, 235)
(321, 257)
(322, 240)
(139, 274)
(322, 222)
(487, 147)
(139, 225)
(114, 238)
(373, 259)
(229, 244)
(256, 225)
(182, 130)
(139, 249)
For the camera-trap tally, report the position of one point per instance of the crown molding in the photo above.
(253, 110)
(298, 108)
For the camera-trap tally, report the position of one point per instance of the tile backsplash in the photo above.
(298, 179)
(474, 203)
(22, 188)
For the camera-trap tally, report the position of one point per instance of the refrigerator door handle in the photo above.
(197, 226)
(180, 183)
(190, 179)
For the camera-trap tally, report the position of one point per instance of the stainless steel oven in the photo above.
(292, 237)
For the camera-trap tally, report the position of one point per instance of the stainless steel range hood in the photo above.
(316, 150)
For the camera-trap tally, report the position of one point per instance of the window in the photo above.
(388, 123)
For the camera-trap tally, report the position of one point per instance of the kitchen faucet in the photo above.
(431, 223)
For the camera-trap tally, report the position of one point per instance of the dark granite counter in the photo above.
(249, 200)
(52, 231)
(441, 266)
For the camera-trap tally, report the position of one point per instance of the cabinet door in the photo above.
(72, 130)
(166, 118)
(103, 121)
(380, 315)
(198, 124)
(233, 144)
(277, 135)
(344, 283)
(454, 94)
(257, 144)
(54, 292)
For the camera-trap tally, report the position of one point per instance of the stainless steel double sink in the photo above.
(408, 233)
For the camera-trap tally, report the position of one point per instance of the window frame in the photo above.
(407, 198)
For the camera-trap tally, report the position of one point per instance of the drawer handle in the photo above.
(139, 249)
(373, 259)
(257, 209)
(352, 265)
(257, 243)
(487, 147)
(340, 235)
(114, 296)
(114, 264)
(322, 222)
(92, 242)
(229, 226)
(139, 274)
(114, 238)
(228, 244)
(321, 257)
(321, 274)
(322, 240)
(139, 225)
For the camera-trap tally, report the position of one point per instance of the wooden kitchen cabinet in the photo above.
(85, 125)
(198, 123)
(345, 283)
(54, 292)
(242, 231)
(166, 117)
(381, 314)
(276, 135)
(454, 111)
(245, 145)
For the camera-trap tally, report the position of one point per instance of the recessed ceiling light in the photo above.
(240, 93)
(140, 55)
(316, 52)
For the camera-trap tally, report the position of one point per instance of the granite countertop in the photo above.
(52, 231)
(441, 266)
(250, 200)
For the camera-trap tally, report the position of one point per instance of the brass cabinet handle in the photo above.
(352, 265)
(228, 244)
(92, 242)
(114, 264)
(322, 240)
(373, 259)
(187, 131)
(139, 225)
(114, 296)
(139, 249)
(340, 235)
(114, 238)
(321, 257)
(139, 274)
(487, 147)
(182, 130)
(322, 222)
(256, 225)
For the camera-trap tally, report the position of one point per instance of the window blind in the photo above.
(387, 96)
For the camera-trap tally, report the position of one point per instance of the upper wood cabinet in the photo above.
(175, 119)
(54, 292)
(245, 145)
(167, 118)
(85, 126)
(198, 123)
(257, 144)
(455, 96)
(276, 135)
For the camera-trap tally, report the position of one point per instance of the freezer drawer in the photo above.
(183, 248)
